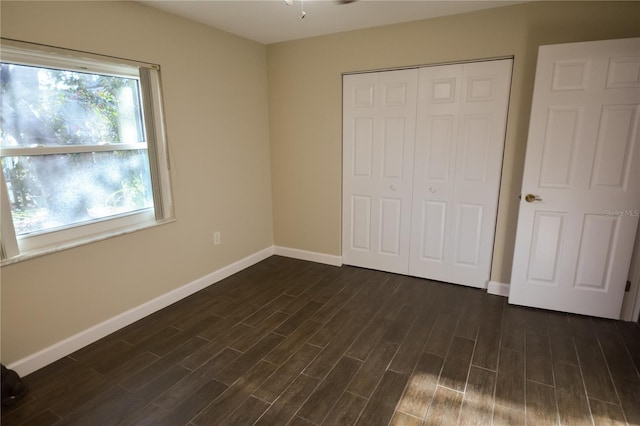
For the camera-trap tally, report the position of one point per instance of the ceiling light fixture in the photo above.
(302, 12)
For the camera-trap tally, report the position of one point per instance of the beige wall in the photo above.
(215, 92)
(305, 102)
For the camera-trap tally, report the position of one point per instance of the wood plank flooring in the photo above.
(299, 343)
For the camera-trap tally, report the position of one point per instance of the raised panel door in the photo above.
(575, 237)
(462, 112)
(378, 142)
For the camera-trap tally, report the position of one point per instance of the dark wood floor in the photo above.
(293, 342)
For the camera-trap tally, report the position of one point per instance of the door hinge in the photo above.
(628, 286)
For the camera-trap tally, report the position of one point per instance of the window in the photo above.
(82, 148)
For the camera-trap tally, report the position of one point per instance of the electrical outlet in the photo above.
(216, 238)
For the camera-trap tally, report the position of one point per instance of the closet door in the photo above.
(462, 112)
(379, 112)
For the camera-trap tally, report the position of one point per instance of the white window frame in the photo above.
(15, 248)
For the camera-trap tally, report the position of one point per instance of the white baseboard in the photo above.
(499, 289)
(308, 255)
(71, 344)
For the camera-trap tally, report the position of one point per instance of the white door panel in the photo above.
(434, 170)
(573, 247)
(432, 221)
(462, 111)
(390, 226)
(378, 143)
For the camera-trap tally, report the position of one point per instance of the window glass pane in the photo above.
(43, 106)
(52, 191)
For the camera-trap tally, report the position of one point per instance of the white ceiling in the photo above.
(272, 21)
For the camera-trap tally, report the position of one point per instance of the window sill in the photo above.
(32, 254)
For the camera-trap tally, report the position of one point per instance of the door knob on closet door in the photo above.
(393, 187)
(530, 198)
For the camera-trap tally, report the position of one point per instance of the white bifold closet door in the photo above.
(379, 127)
(462, 116)
(421, 171)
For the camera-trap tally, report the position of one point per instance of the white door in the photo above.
(574, 242)
(462, 113)
(379, 113)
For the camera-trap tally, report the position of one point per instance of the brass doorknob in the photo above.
(530, 198)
